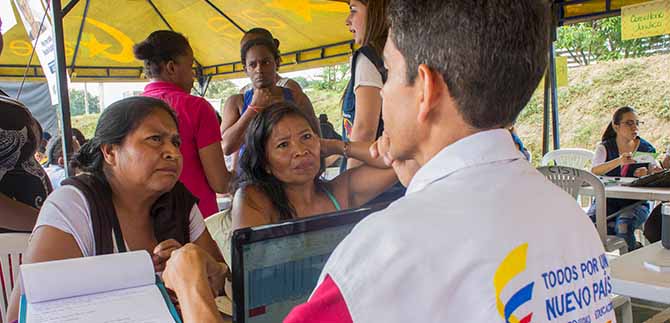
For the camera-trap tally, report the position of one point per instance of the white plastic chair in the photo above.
(571, 180)
(12, 246)
(571, 157)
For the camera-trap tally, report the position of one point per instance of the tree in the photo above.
(601, 40)
(78, 106)
(333, 77)
(221, 90)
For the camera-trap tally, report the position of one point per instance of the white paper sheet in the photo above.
(134, 305)
(84, 276)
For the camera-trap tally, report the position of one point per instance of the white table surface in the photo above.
(631, 278)
(632, 193)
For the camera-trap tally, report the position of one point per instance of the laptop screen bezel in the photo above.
(245, 236)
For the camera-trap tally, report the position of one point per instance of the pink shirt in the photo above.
(326, 305)
(198, 128)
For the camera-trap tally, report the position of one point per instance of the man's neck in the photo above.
(439, 137)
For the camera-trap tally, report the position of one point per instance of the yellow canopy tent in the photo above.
(94, 39)
(99, 35)
(573, 11)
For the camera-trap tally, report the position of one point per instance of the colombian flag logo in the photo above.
(513, 264)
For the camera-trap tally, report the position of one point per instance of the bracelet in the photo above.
(255, 109)
(346, 149)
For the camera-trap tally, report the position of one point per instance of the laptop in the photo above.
(660, 179)
(276, 267)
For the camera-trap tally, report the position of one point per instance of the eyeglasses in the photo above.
(631, 123)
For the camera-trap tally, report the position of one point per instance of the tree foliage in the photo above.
(601, 40)
(332, 78)
(221, 89)
(78, 106)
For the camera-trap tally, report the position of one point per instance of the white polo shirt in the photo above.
(480, 236)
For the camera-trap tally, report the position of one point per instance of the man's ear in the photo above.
(109, 153)
(429, 85)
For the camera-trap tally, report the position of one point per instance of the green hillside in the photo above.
(586, 105)
(594, 92)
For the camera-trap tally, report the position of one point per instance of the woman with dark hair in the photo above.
(23, 183)
(128, 197)
(362, 102)
(260, 58)
(255, 33)
(614, 157)
(168, 61)
(280, 172)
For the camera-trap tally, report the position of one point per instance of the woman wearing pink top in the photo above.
(168, 62)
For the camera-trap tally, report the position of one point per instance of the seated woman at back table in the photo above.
(613, 155)
(280, 171)
(260, 58)
(23, 183)
(129, 197)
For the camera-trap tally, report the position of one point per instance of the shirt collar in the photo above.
(481, 148)
(162, 86)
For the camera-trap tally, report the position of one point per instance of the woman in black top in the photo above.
(23, 183)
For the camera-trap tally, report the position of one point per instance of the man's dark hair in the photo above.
(491, 54)
(54, 150)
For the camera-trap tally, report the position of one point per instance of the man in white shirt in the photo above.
(480, 236)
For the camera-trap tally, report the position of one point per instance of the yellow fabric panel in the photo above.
(595, 6)
(112, 27)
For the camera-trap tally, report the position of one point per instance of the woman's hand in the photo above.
(642, 171)
(162, 253)
(626, 158)
(263, 98)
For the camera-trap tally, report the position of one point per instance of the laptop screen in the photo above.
(281, 264)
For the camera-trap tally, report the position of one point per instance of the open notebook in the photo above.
(111, 288)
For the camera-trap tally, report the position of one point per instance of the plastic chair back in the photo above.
(571, 157)
(572, 180)
(12, 246)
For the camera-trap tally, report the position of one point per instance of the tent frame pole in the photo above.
(61, 85)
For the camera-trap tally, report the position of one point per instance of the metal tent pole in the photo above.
(545, 115)
(554, 83)
(61, 86)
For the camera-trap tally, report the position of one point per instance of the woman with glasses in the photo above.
(614, 156)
